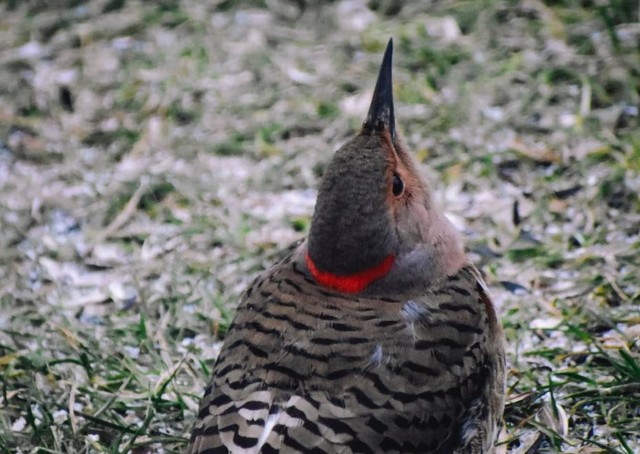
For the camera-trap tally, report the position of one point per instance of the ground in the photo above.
(154, 156)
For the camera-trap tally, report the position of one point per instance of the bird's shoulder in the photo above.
(287, 325)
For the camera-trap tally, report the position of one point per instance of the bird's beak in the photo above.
(381, 109)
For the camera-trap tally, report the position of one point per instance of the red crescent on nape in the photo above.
(350, 283)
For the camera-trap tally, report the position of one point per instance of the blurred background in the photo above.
(154, 156)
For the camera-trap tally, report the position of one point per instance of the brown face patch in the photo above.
(399, 162)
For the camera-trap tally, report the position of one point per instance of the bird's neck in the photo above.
(425, 263)
(411, 268)
(349, 283)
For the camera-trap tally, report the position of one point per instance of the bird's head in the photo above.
(375, 221)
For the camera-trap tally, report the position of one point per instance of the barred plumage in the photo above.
(336, 373)
(411, 362)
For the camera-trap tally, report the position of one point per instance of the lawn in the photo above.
(155, 156)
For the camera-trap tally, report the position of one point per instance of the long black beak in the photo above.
(381, 109)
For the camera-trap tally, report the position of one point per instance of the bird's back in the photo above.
(305, 369)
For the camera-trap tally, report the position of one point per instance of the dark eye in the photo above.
(398, 185)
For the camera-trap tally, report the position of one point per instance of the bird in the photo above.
(374, 334)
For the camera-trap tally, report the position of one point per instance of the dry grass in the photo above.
(154, 157)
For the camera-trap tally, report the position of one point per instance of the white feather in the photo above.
(266, 430)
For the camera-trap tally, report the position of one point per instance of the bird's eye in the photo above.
(398, 185)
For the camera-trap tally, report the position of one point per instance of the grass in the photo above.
(153, 159)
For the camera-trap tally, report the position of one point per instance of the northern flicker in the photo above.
(375, 334)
